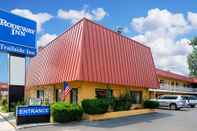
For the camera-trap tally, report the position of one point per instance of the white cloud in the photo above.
(161, 19)
(192, 18)
(45, 39)
(76, 15)
(159, 30)
(40, 18)
(99, 13)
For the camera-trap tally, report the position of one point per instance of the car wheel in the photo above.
(173, 107)
(192, 106)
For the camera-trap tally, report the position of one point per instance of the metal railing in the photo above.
(177, 88)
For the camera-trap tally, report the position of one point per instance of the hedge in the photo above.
(95, 106)
(123, 103)
(151, 104)
(63, 112)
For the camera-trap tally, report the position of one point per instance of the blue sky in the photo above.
(165, 26)
(119, 13)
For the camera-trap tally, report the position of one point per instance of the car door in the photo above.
(193, 100)
(163, 102)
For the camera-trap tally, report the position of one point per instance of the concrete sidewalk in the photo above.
(5, 125)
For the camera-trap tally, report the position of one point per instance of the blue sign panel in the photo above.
(29, 111)
(17, 34)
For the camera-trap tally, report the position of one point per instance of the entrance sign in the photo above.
(32, 114)
(17, 34)
(33, 110)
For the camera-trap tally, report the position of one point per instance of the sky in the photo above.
(166, 26)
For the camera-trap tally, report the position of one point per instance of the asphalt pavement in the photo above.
(163, 120)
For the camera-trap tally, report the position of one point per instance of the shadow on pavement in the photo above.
(121, 121)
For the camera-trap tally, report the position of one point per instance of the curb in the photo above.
(34, 125)
(120, 114)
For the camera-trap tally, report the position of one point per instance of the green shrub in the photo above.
(4, 101)
(95, 106)
(123, 103)
(151, 104)
(63, 112)
(4, 105)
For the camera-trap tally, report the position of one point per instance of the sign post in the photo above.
(18, 39)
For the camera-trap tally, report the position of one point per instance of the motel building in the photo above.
(93, 59)
(172, 83)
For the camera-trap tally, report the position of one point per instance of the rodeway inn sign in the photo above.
(17, 34)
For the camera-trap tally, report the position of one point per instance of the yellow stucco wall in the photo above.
(86, 90)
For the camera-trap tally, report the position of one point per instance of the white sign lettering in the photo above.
(16, 29)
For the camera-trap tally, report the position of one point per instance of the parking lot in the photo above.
(163, 120)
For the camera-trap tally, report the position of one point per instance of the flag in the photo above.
(67, 89)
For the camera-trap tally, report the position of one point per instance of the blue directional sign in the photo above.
(17, 34)
(30, 111)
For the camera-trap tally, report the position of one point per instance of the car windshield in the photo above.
(193, 98)
(189, 97)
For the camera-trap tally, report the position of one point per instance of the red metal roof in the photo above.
(194, 80)
(3, 86)
(168, 74)
(90, 52)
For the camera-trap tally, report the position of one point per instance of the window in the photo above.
(102, 93)
(40, 94)
(74, 96)
(185, 85)
(136, 97)
(161, 81)
(58, 94)
(169, 97)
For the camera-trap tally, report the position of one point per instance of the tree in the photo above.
(192, 58)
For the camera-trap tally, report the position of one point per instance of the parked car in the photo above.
(191, 100)
(173, 102)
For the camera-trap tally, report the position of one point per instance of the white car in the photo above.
(173, 102)
(191, 100)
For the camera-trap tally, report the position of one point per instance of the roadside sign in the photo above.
(32, 114)
(17, 34)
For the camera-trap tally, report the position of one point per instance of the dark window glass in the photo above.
(136, 97)
(161, 81)
(102, 93)
(170, 97)
(59, 93)
(40, 94)
(74, 96)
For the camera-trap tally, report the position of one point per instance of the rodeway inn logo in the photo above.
(16, 29)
